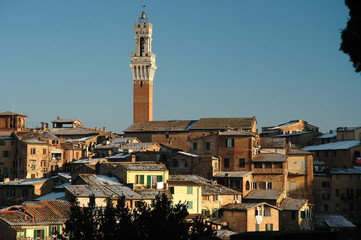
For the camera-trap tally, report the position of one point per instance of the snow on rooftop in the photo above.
(328, 135)
(62, 185)
(52, 196)
(188, 154)
(333, 146)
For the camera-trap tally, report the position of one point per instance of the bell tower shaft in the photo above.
(143, 70)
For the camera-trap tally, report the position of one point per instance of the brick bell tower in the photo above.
(143, 69)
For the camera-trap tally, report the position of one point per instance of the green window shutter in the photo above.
(257, 227)
(149, 181)
(50, 231)
(189, 190)
(302, 214)
(6, 172)
(266, 227)
(43, 234)
(142, 179)
(208, 145)
(271, 226)
(35, 236)
(25, 232)
(208, 213)
(190, 204)
(194, 146)
(59, 229)
(161, 178)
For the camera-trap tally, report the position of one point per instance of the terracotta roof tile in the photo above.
(224, 123)
(161, 126)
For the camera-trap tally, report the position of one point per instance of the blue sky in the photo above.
(277, 60)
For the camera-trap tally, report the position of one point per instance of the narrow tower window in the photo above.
(141, 83)
(141, 46)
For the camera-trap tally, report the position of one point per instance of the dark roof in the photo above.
(269, 157)
(224, 123)
(339, 145)
(268, 142)
(92, 179)
(292, 204)
(208, 187)
(266, 194)
(332, 221)
(8, 113)
(161, 126)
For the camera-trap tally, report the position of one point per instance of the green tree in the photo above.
(351, 35)
(162, 221)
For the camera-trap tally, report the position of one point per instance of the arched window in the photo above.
(247, 185)
(141, 46)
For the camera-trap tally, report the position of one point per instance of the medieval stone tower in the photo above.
(143, 70)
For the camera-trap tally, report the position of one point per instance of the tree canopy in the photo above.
(351, 35)
(161, 221)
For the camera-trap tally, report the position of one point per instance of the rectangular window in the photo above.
(190, 204)
(226, 163)
(267, 211)
(293, 215)
(269, 227)
(257, 227)
(33, 151)
(215, 197)
(268, 185)
(189, 190)
(171, 190)
(258, 212)
(241, 162)
(278, 165)
(6, 154)
(2, 142)
(337, 192)
(208, 146)
(257, 165)
(303, 214)
(230, 142)
(139, 179)
(325, 184)
(268, 165)
(349, 194)
(194, 146)
(325, 196)
(293, 185)
(337, 176)
(254, 185)
(43, 163)
(44, 151)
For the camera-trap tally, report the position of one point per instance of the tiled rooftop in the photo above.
(340, 145)
(267, 142)
(292, 204)
(144, 167)
(224, 123)
(92, 179)
(8, 113)
(103, 191)
(154, 126)
(235, 174)
(71, 131)
(269, 157)
(44, 212)
(242, 206)
(267, 194)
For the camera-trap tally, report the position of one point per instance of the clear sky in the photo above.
(277, 60)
